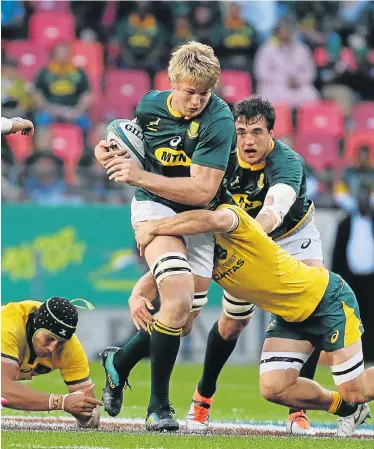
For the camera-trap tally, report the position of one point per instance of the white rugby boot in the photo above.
(348, 424)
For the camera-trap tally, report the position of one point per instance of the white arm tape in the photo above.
(283, 197)
(6, 125)
(235, 221)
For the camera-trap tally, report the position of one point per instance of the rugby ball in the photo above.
(129, 136)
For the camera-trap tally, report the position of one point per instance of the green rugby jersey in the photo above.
(173, 143)
(249, 186)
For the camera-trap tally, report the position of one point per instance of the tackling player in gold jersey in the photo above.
(310, 305)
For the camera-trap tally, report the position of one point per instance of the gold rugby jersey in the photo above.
(71, 359)
(251, 267)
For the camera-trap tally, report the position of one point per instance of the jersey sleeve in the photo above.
(215, 144)
(12, 334)
(288, 171)
(74, 363)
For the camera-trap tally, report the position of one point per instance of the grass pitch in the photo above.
(237, 400)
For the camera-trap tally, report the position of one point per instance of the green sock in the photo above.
(340, 407)
(217, 352)
(164, 348)
(130, 354)
(308, 371)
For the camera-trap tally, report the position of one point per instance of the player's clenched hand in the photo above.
(79, 403)
(143, 235)
(105, 151)
(124, 170)
(21, 124)
(139, 310)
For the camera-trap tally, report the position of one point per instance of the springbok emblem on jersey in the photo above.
(192, 131)
(260, 182)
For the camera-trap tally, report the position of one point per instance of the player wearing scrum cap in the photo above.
(37, 338)
(188, 137)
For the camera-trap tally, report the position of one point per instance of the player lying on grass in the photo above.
(37, 338)
(311, 307)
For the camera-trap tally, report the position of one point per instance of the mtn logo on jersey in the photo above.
(241, 200)
(170, 157)
(192, 131)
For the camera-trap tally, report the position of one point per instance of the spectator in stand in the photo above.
(183, 32)
(88, 20)
(203, 16)
(353, 259)
(285, 69)
(44, 179)
(15, 96)
(13, 24)
(142, 40)
(62, 91)
(346, 190)
(234, 40)
(342, 83)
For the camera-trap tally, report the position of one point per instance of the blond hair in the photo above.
(196, 63)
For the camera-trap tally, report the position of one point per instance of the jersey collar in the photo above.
(172, 111)
(254, 167)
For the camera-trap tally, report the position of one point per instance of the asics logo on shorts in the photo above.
(306, 243)
(334, 337)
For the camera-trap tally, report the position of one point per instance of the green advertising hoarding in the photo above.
(85, 251)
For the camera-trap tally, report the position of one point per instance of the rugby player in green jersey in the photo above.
(269, 183)
(189, 134)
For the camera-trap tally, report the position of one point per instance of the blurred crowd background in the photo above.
(73, 66)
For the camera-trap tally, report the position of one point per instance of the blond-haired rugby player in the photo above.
(310, 307)
(188, 137)
(37, 338)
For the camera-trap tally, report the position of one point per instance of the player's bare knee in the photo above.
(273, 388)
(230, 328)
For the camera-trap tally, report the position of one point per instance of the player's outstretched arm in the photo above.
(186, 223)
(22, 397)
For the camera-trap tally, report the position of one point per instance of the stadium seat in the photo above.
(48, 28)
(124, 89)
(162, 80)
(324, 117)
(363, 116)
(236, 85)
(20, 145)
(67, 143)
(355, 140)
(283, 123)
(318, 150)
(31, 57)
(320, 56)
(50, 5)
(113, 52)
(348, 58)
(371, 56)
(88, 56)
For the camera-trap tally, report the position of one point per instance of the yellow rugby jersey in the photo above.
(251, 267)
(71, 360)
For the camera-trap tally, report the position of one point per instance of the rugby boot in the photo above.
(113, 390)
(348, 424)
(298, 424)
(197, 419)
(161, 420)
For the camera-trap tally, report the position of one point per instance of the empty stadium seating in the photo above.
(283, 123)
(363, 116)
(48, 28)
(355, 140)
(31, 57)
(20, 145)
(161, 81)
(236, 85)
(324, 117)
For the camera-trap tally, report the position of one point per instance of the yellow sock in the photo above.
(336, 402)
